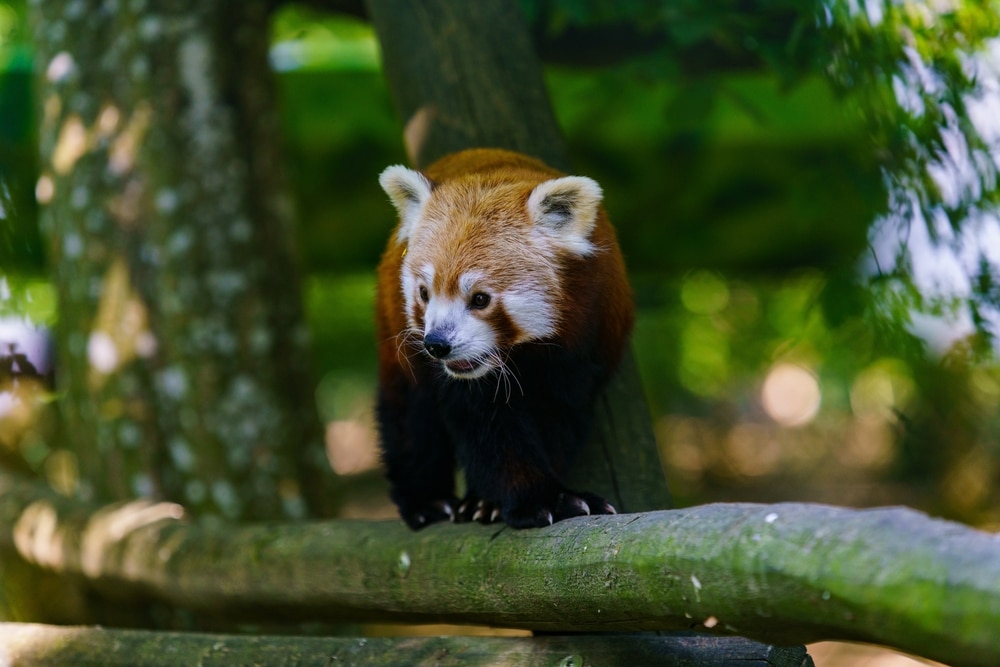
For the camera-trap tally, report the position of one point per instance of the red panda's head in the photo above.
(484, 259)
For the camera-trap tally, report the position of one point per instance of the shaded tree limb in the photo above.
(42, 645)
(784, 574)
(631, 36)
(465, 75)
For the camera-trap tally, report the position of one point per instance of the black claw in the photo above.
(420, 515)
(597, 504)
(534, 513)
(571, 505)
(445, 508)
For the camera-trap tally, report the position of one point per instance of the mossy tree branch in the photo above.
(784, 574)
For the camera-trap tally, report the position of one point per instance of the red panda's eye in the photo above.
(423, 294)
(479, 300)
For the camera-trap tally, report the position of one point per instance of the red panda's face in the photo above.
(469, 317)
(481, 270)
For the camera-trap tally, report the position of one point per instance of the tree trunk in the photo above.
(463, 74)
(182, 348)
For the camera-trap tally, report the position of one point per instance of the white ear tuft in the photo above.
(409, 191)
(565, 209)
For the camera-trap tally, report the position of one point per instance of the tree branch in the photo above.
(621, 40)
(784, 574)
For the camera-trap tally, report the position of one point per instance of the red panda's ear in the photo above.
(409, 191)
(565, 209)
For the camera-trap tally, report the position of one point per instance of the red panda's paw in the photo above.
(421, 516)
(567, 504)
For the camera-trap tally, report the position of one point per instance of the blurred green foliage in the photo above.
(766, 164)
(20, 245)
(931, 93)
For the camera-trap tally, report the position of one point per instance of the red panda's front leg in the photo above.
(512, 473)
(418, 456)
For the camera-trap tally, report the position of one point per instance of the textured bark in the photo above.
(787, 574)
(182, 347)
(463, 74)
(41, 645)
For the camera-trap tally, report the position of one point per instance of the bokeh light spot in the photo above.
(882, 389)
(704, 364)
(791, 395)
(704, 293)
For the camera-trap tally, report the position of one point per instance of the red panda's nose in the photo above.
(437, 345)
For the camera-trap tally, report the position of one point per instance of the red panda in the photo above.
(502, 309)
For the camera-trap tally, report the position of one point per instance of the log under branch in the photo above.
(784, 574)
(41, 646)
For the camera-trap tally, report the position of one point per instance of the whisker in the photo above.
(504, 374)
(408, 338)
(501, 374)
(513, 373)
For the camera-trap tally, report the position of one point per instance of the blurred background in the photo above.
(805, 194)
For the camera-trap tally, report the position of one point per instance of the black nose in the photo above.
(436, 345)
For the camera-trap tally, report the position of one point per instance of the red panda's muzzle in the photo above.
(439, 347)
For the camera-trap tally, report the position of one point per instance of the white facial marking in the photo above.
(426, 274)
(443, 315)
(531, 311)
(409, 286)
(467, 282)
(411, 281)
